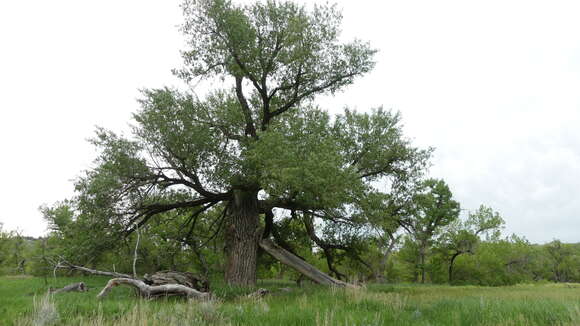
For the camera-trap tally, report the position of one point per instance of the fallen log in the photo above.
(173, 277)
(163, 283)
(258, 294)
(75, 287)
(159, 278)
(287, 258)
(151, 292)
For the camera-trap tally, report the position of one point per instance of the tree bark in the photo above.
(242, 235)
(299, 265)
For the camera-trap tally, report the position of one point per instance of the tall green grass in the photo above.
(546, 304)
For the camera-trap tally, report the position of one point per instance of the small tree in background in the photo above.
(434, 208)
(463, 237)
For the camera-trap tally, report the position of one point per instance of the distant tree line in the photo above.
(458, 253)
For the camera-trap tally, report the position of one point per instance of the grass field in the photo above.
(23, 302)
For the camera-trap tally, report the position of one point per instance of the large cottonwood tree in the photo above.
(256, 142)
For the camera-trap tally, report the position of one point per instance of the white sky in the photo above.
(493, 85)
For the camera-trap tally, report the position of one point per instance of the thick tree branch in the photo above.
(195, 182)
(148, 211)
(299, 97)
(250, 127)
(326, 247)
(220, 223)
(384, 169)
(268, 224)
(67, 265)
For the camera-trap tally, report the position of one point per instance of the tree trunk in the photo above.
(422, 262)
(379, 274)
(451, 262)
(242, 237)
(299, 265)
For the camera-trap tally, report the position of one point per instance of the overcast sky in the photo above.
(494, 86)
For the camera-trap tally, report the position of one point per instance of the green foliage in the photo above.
(274, 40)
(563, 261)
(5, 244)
(463, 237)
(434, 209)
(75, 237)
(485, 221)
(15, 252)
(501, 262)
(407, 259)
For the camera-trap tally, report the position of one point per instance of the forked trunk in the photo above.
(242, 238)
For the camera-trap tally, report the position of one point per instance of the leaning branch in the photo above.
(300, 265)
